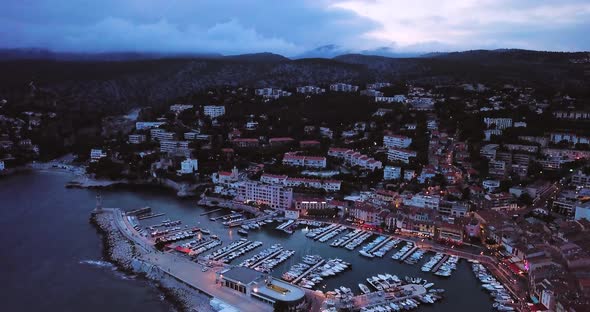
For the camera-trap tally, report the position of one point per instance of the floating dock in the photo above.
(407, 254)
(307, 272)
(380, 244)
(440, 263)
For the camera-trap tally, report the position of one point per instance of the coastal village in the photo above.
(497, 176)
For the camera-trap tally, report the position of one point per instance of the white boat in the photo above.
(428, 285)
(364, 288)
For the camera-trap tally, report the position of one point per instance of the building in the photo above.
(226, 177)
(582, 211)
(214, 111)
(327, 185)
(398, 141)
(343, 87)
(310, 90)
(391, 173)
(175, 148)
(161, 135)
(420, 200)
(137, 138)
(573, 115)
(274, 196)
(292, 159)
(245, 142)
(273, 178)
(189, 166)
(391, 99)
(399, 154)
(571, 138)
(581, 179)
(143, 125)
(274, 142)
(2, 165)
(500, 123)
(309, 144)
(371, 93)
(177, 108)
(499, 202)
(490, 185)
(96, 154)
(326, 132)
(271, 93)
(310, 203)
(262, 287)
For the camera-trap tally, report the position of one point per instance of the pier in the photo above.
(210, 211)
(407, 254)
(328, 232)
(149, 216)
(440, 263)
(284, 225)
(351, 239)
(374, 299)
(380, 244)
(307, 272)
(238, 246)
(272, 255)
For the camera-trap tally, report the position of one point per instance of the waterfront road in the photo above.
(183, 269)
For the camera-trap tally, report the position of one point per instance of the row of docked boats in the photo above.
(330, 268)
(341, 293)
(358, 241)
(225, 249)
(447, 267)
(240, 251)
(384, 281)
(311, 223)
(502, 299)
(366, 250)
(432, 262)
(386, 248)
(286, 226)
(176, 236)
(261, 255)
(208, 245)
(415, 257)
(318, 232)
(404, 304)
(267, 265)
(400, 253)
(341, 240)
(324, 238)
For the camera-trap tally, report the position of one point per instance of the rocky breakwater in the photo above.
(131, 259)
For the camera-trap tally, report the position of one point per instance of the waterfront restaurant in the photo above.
(262, 287)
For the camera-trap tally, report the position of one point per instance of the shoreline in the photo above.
(126, 257)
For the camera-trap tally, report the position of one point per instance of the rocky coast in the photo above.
(131, 259)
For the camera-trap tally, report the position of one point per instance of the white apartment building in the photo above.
(378, 85)
(400, 154)
(143, 125)
(489, 151)
(310, 90)
(581, 179)
(275, 196)
(573, 138)
(273, 178)
(501, 123)
(399, 141)
(423, 201)
(175, 147)
(343, 87)
(490, 185)
(327, 185)
(214, 111)
(271, 93)
(161, 135)
(391, 173)
(137, 138)
(96, 154)
(391, 99)
(290, 159)
(189, 166)
(177, 108)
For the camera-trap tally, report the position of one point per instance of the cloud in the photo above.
(468, 24)
(294, 26)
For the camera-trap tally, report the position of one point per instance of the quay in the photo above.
(407, 254)
(180, 268)
(380, 244)
(440, 263)
(308, 271)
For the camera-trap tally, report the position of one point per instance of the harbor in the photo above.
(279, 253)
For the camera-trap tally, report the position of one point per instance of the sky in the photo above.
(292, 27)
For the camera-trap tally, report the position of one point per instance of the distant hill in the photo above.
(96, 82)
